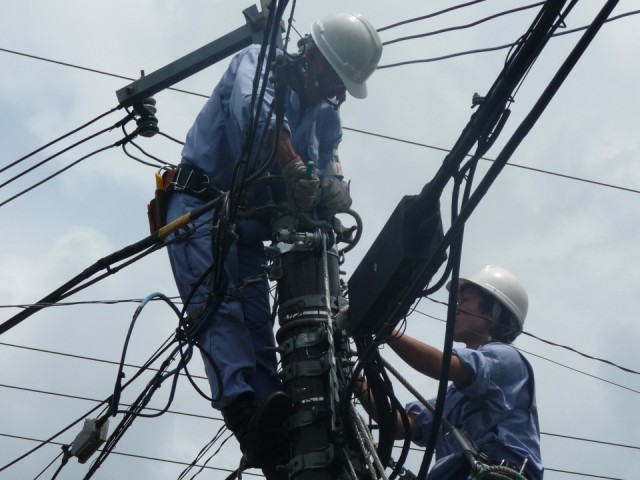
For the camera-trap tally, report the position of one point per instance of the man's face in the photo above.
(472, 324)
(322, 81)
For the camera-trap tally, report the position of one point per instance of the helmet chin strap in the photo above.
(495, 309)
(335, 102)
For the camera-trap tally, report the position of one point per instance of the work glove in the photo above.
(301, 187)
(334, 197)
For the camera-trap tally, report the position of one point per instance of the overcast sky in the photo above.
(572, 243)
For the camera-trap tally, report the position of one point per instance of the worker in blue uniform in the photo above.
(338, 56)
(492, 394)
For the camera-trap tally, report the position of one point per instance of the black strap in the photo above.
(192, 181)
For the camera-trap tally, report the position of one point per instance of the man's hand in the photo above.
(301, 187)
(334, 197)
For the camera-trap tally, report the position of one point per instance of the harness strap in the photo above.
(193, 182)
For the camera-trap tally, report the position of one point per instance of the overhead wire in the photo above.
(548, 342)
(156, 355)
(57, 154)
(144, 457)
(95, 400)
(493, 49)
(131, 455)
(560, 364)
(510, 164)
(566, 176)
(465, 26)
(62, 170)
(430, 15)
(62, 137)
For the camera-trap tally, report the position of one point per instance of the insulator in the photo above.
(146, 120)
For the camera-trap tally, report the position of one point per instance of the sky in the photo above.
(564, 216)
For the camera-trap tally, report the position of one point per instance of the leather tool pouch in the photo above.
(157, 207)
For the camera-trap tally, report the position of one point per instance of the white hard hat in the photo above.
(504, 287)
(352, 47)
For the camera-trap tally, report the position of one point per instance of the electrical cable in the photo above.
(510, 164)
(461, 27)
(37, 184)
(51, 157)
(176, 299)
(179, 142)
(175, 462)
(21, 159)
(95, 400)
(608, 362)
(115, 398)
(141, 457)
(431, 15)
(155, 240)
(571, 349)
(203, 451)
(493, 49)
(92, 70)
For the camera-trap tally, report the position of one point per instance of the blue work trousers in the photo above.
(238, 335)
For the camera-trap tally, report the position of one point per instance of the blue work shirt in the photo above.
(214, 142)
(497, 411)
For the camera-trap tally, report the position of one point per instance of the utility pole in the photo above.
(305, 263)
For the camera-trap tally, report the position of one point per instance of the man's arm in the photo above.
(427, 359)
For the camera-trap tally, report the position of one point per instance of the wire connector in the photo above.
(88, 441)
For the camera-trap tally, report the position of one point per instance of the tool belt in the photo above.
(191, 181)
(184, 179)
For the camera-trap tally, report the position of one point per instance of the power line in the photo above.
(590, 440)
(461, 27)
(388, 137)
(95, 400)
(430, 15)
(545, 358)
(92, 70)
(175, 299)
(141, 457)
(493, 49)
(524, 167)
(214, 418)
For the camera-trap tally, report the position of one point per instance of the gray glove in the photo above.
(301, 191)
(334, 197)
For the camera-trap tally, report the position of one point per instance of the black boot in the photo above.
(267, 439)
(237, 417)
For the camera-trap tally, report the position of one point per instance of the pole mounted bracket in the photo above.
(176, 71)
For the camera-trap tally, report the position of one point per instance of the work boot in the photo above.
(237, 416)
(267, 442)
(271, 473)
